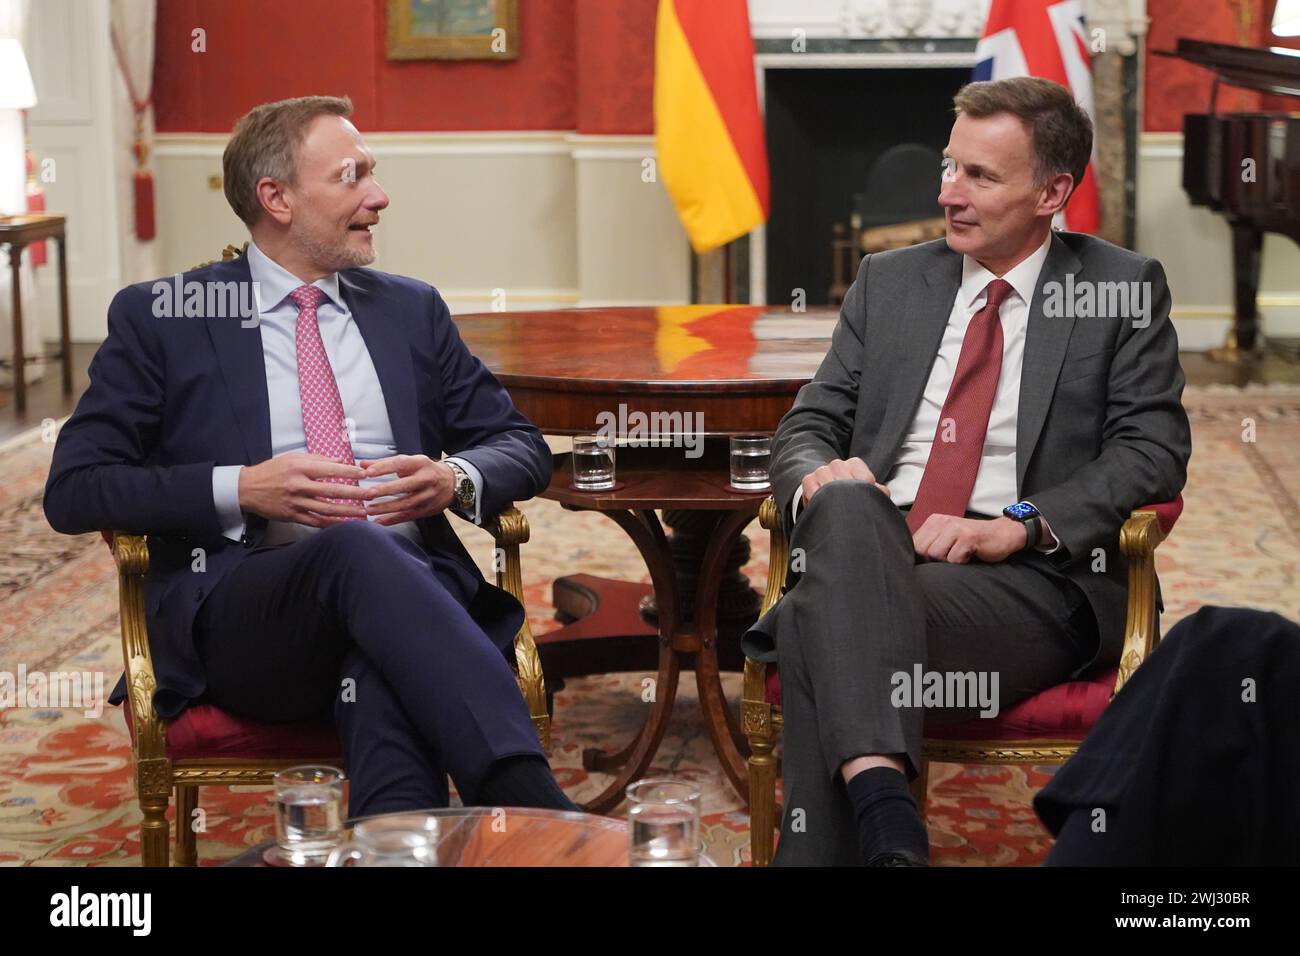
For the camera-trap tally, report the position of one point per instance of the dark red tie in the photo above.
(949, 476)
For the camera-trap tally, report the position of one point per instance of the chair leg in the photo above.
(154, 835)
(762, 799)
(187, 799)
(921, 786)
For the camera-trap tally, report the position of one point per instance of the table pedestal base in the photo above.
(608, 637)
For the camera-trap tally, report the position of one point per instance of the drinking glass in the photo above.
(664, 822)
(750, 456)
(397, 839)
(593, 463)
(308, 813)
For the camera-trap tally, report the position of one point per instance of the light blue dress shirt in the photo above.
(360, 391)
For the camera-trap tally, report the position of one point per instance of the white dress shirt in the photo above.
(360, 391)
(995, 483)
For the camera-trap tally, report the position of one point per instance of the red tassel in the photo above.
(144, 226)
(36, 253)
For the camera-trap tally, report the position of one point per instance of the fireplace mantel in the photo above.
(814, 22)
(921, 34)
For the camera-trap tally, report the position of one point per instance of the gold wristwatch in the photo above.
(464, 491)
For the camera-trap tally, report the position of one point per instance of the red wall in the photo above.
(583, 64)
(1174, 87)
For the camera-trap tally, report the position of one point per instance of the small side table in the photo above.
(18, 232)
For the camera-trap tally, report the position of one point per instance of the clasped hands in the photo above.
(294, 487)
(941, 537)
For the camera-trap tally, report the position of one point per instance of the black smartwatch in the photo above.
(1027, 515)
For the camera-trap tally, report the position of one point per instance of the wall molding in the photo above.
(497, 143)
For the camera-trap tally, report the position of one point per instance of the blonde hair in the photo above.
(265, 142)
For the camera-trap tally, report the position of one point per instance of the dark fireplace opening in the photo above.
(825, 128)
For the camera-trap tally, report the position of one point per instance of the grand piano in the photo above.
(1255, 197)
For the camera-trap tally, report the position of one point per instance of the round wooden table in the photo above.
(718, 370)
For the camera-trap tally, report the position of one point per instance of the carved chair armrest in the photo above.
(1138, 540)
(756, 716)
(131, 553)
(510, 529)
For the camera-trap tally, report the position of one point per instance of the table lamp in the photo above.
(1286, 18)
(16, 89)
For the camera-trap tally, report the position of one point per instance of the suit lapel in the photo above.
(923, 317)
(390, 352)
(243, 369)
(1045, 344)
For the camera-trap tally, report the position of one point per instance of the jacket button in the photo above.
(198, 594)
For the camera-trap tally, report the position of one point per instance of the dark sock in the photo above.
(887, 814)
(522, 781)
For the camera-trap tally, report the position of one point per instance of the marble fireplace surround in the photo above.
(927, 34)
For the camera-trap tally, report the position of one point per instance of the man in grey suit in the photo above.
(1006, 367)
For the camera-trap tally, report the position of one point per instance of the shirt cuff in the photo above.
(1047, 529)
(794, 504)
(225, 495)
(477, 478)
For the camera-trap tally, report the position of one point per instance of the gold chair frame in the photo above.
(157, 776)
(761, 722)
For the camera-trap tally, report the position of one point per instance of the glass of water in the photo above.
(308, 813)
(750, 457)
(397, 839)
(593, 463)
(664, 821)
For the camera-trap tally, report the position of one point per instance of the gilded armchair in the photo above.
(206, 746)
(1046, 729)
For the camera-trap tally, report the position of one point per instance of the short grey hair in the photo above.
(265, 142)
(1058, 126)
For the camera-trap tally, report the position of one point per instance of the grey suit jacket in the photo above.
(1100, 430)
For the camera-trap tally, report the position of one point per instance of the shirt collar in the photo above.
(274, 282)
(1023, 277)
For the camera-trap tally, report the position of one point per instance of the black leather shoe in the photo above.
(898, 858)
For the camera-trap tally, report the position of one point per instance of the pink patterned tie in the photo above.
(322, 409)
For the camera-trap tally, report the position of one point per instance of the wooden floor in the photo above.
(45, 400)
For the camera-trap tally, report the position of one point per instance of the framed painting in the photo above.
(453, 29)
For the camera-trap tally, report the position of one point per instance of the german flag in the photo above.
(708, 130)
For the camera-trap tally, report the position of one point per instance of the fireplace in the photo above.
(825, 128)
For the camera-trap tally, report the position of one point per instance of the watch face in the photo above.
(1020, 511)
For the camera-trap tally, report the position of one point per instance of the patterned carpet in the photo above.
(66, 795)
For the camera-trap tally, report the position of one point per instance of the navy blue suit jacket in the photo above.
(170, 398)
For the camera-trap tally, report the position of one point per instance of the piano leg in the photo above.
(1247, 241)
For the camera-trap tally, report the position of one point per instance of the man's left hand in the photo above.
(425, 487)
(958, 540)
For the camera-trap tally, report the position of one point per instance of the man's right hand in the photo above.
(838, 470)
(289, 488)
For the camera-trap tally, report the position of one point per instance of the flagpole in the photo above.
(727, 297)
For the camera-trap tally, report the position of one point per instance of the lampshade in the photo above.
(16, 89)
(1286, 18)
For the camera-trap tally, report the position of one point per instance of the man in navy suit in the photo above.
(276, 425)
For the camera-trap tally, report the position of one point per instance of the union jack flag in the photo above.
(1047, 39)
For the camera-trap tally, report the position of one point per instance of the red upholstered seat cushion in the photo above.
(205, 731)
(1166, 513)
(1064, 712)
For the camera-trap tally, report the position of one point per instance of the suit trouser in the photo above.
(357, 619)
(864, 613)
